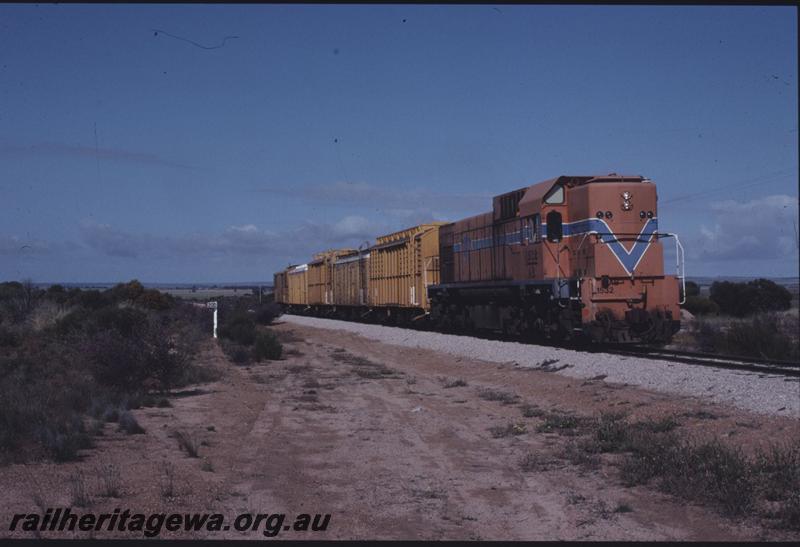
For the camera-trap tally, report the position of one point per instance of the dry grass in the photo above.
(187, 443)
(129, 425)
(505, 397)
(531, 411)
(79, 490)
(458, 382)
(167, 481)
(532, 462)
(110, 481)
(506, 430)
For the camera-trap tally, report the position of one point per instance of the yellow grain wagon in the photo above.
(402, 265)
(351, 279)
(297, 282)
(280, 288)
(320, 276)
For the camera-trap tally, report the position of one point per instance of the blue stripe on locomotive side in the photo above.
(628, 259)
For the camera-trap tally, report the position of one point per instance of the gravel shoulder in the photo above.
(773, 395)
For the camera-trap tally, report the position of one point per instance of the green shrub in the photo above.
(126, 321)
(71, 323)
(697, 305)
(239, 354)
(155, 300)
(8, 338)
(760, 336)
(92, 299)
(692, 289)
(129, 291)
(267, 313)
(779, 467)
(711, 471)
(63, 439)
(240, 328)
(267, 346)
(759, 295)
(57, 294)
(129, 425)
(766, 335)
(96, 361)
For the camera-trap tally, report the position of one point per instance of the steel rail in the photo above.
(730, 362)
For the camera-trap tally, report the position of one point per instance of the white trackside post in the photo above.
(213, 306)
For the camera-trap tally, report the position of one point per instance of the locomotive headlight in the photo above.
(626, 196)
(626, 206)
(609, 214)
(642, 214)
(599, 214)
(649, 214)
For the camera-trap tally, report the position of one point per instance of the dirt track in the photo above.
(370, 434)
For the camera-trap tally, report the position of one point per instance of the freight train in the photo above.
(570, 258)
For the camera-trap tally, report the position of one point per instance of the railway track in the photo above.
(731, 362)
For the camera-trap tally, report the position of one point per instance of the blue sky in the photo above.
(128, 152)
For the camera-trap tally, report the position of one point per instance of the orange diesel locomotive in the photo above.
(570, 257)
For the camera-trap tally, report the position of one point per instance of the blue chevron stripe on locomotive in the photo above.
(628, 259)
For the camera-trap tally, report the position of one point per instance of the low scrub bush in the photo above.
(531, 411)
(779, 469)
(79, 490)
(187, 443)
(458, 382)
(698, 305)
(237, 353)
(129, 425)
(504, 397)
(267, 313)
(709, 471)
(8, 338)
(506, 430)
(63, 439)
(561, 423)
(155, 300)
(112, 352)
(759, 295)
(766, 335)
(111, 481)
(267, 346)
(240, 328)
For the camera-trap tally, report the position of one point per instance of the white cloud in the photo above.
(763, 228)
(241, 241)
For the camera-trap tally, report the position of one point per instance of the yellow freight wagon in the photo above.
(402, 265)
(350, 279)
(297, 282)
(320, 276)
(280, 288)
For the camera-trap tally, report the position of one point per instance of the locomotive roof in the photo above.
(532, 200)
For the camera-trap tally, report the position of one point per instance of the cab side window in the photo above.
(555, 196)
(555, 229)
